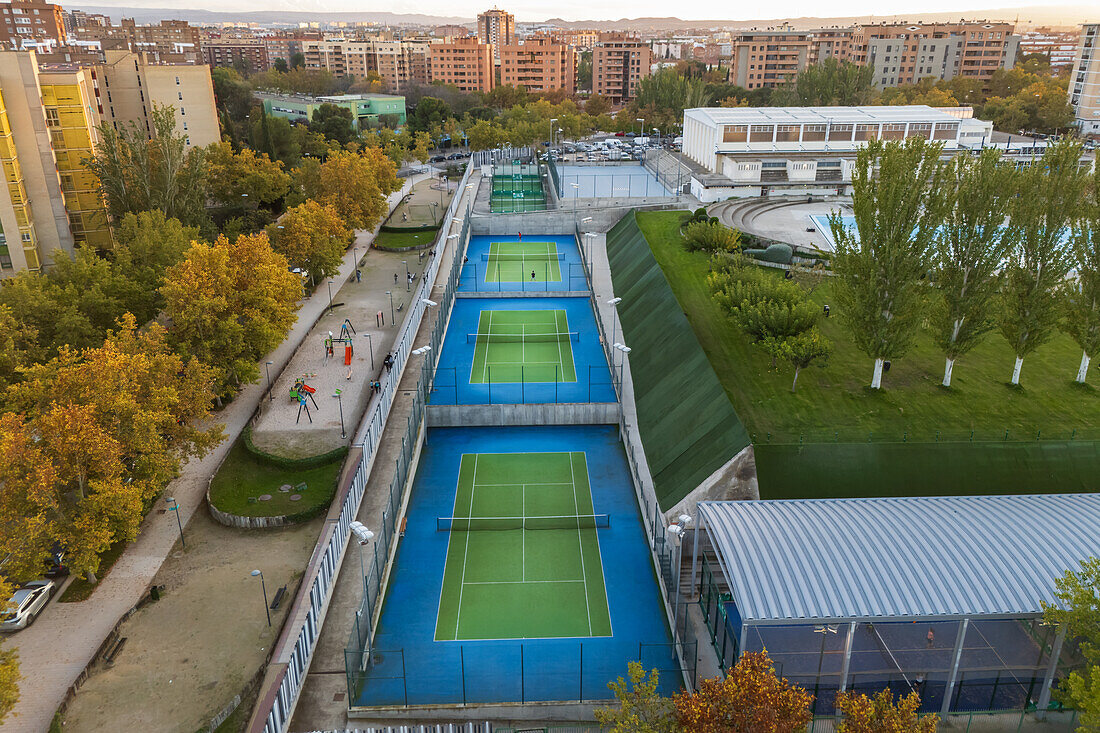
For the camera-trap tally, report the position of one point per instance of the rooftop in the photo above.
(306, 99)
(947, 557)
(797, 115)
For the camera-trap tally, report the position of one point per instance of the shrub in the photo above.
(778, 253)
(699, 214)
(710, 237)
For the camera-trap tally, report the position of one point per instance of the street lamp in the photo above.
(441, 190)
(329, 284)
(263, 586)
(370, 348)
(390, 293)
(364, 536)
(589, 236)
(614, 316)
(270, 394)
(338, 394)
(625, 350)
(174, 506)
(408, 287)
(422, 350)
(552, 121)
(677, 529)
(576, 195)
(824, 630)
(641, 127)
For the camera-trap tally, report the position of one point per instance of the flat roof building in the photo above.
(619, 62)
(24, 22)
(539, 64)
(368, 110)
(941, 595)
(496, 28)
(1084, 81)
(466, 63)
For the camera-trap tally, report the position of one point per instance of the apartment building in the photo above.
(1058, 46)
(451, 31)
(466, 63)
(1084, 81)
(399, 63)
(829, 43)
(768, 58)
(907, 53)
(165, 36)
(619, 61)
(539, 64)
(496, 28)
(232, 51)
(31, 23)
(581, 40)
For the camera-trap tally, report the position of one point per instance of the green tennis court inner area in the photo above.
(522, 346)
(523, 559)
(517, 191)
(516, 261)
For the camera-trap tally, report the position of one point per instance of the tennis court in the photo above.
(523, 261)
(522, 351)
(523, 559)
(416, 659)
(523, 346)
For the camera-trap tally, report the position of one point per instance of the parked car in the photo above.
(25, 605)
(456, 156)
(55, 563)
(437, 158)
(620, 133)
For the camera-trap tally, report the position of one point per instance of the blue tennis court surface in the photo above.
(410, 668)
(484, 271)
(589, 382)
(611, 181)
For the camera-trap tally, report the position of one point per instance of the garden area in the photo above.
(252, 483)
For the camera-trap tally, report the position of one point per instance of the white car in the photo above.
(25, 604)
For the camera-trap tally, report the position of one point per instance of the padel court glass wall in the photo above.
(957, 664)
(517, 187)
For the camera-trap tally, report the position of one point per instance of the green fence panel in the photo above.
(689, 428)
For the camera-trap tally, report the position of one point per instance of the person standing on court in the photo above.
(520, 234)
(532, 276)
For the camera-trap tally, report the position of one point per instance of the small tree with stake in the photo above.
(969, 249)
(802, 350)
(880, 266)
(1049, 199)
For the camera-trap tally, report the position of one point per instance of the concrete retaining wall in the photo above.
(579, 413)
(605, 213)
(241, 522)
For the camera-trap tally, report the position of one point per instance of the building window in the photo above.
(760, 133)
(787, 133)
(946, 131)
(866, 132)
(735, 133)
(893, 131)
(813, 133)
(922, 130)
(840, 132)
(52, 118)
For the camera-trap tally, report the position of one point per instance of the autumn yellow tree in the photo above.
(356, 184)
(27, 499)
(312, 237)
(9, 672)
(750, 699)
(240, 179)
(229, 303)
(881, 714)
(640, 708)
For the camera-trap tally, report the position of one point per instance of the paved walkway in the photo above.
(62, 642)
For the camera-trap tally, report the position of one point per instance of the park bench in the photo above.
(278, 599)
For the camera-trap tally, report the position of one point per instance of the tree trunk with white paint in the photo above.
(1016, 370)
(1083, 370)
(947, 369)
(876, 380)
(794, 384)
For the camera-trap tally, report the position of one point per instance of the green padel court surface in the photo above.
(511, 262)
(523, 346)
(516, 581)
(517, 192)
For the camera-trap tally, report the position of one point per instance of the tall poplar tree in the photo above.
(1082, 315)
(898, 206)
(968, 252)
(1049, 200)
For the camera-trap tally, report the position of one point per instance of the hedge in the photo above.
(283, 461)
(778, 253)
(400, 230)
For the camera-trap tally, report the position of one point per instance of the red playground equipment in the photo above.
(346, 337)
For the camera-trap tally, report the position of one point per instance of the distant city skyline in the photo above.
(530, 11)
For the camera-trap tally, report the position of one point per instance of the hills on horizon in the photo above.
(1058, 15)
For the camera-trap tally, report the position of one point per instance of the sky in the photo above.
(537, 10)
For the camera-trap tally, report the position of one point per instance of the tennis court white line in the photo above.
(530, 483)
(523, 533)
(466, 551)
(485, 372)
(519, 582)
(580, 545)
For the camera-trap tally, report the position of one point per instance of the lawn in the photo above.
(244, 475)
(833, 403)
(404, 240)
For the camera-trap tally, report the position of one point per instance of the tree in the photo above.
(334, 122)
(881, 714)
(1049, 200)
(750, 699)
(17, 342)
(244, 179)
(711, 236)
(275, 137)
(640, 708)
(430, 112)
(297, 60)
(146, 245)
(138, 171)
(968, 251)
(229, 303)
(1077, 609)
(9, 672)
(311, 237)
(280, 64)
(355, 184)
(597, 105)
(803, 349)
(584, 70)
(232, 93)
(1082, 314)
(880, 265)
(829, 83)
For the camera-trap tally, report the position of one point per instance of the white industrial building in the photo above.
(760, 151)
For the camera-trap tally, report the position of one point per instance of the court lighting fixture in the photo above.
(428, 303)
(422, 350)
(361, 532)
(615, 301)
(623, 348)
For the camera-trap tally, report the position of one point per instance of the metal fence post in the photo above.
(462, 663)
(580, 691)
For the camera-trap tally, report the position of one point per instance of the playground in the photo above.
(423, 206)
(333, 369)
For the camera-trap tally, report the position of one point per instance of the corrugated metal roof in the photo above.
(821, 115)
(827, 559)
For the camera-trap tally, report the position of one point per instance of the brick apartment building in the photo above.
(399, 63)
(540, 63)
(24, 22)
(465, 63)
(230, 51)
(768, 58)
(496, 28)
(619, 61)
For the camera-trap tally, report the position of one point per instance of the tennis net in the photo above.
(522, 338)
(522, 256)
(474, 524)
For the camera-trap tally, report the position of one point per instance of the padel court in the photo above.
(517, 187)
(522, 351)
(523, 574)
(522, 261)
(504, 262)
(523, 346)
(524, 554)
